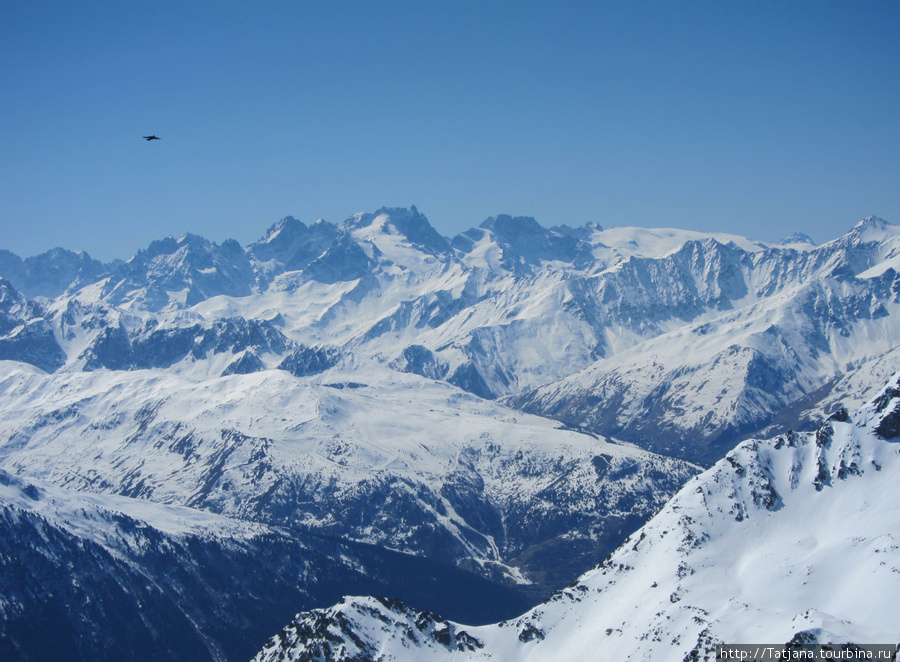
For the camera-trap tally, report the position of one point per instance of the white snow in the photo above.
(750, 551)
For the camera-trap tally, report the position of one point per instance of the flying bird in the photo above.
(151, 138)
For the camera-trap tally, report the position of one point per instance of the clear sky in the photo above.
(755, 117)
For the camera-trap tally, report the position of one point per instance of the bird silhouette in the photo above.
(151, 138)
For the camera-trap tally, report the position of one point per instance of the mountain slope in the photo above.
(716, 381)
(793, 539)
(100, 577)
(797, 324)
(362, 453)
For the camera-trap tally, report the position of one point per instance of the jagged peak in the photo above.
(311, 634)
(9, 255)
(170, 245)
(526, 242)
(583, 232)
(286, 224)
(290, 244)
(59, 254)
(191, 239)
(797, 238)
(872, 222)
(873, 229)
(707, 245)
(410, 223)
(513, 226)
(58, 251)
(8, 293)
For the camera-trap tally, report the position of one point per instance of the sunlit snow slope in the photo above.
(789, 539)
(360, 452)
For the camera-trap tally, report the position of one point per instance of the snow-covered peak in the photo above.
(408, 224)
(357, 625)
(873, 229)
(523, 246)
(290, 245)
(52, 273)
(287, 225)
(397, 242)
(9, 297)
(171, 245)
(798, 240)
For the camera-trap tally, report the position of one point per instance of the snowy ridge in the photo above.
(788, 539)
(393, 460)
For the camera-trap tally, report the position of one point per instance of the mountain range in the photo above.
(274, 426)
(550, 321)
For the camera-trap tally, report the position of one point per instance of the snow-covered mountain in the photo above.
(652, 336)
(392, 459)
(768, 332)
(86, 576)
(25, 333)
(787, 540)
(488, 404)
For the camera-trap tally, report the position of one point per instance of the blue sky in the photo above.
(759, 118)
